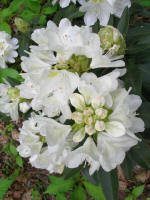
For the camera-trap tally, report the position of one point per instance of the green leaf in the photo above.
(49, 10)
(124, 22)
(141, 155)
(129, 197)
(42, 20)
(59, 185)
(28, 15)
(94, 191)
(4, 186)
(5, 27)
(71, 12)
(128, 165)
(24, 42)
(60, 197)
(145, 113)
(138, 191)
(78, 193)
(68, 172)
(133, 77)
(4, 117)
(145, 3)
(9, 72)
(19, 161)
(93, 179)
(5, 183)
(34, 6)
(109, 183)
(13, 149)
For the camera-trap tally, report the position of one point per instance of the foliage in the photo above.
(135, 193)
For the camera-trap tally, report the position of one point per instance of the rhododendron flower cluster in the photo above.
(77, 117)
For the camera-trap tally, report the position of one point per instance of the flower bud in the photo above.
(13, 93)
(89, 121)
(88, 111)
(77, 117)
(77, 101)
(24, 107)
(102, 113)
(22, 25)
(98, 102)
(100, 126)
(89, 130)
(79, 135)
(112, 40)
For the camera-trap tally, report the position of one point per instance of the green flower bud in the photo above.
(22, 25)
(79, 64)
(13, 93)
(112, 40)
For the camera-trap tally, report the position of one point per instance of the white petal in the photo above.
(77, 101)
(115, 128)
(79, 135)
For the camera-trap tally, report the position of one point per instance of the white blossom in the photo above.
(8, 48)
(102, 9)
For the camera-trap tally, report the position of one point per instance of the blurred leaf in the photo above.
(124, 22)
(94, 191)
(9, 72)
(141, 155)
(109, 183)
(4, 186)
(60, 197)
(145, 3)
(48, 10)
(24, 42)
(5, 27)
(19, 161)
(42, 20)
(128, 165)
(4, 117)
(27, 15)
(32, 5)
(67, 173)
(59, 185)
(13, 149)
(93, 179)
(145, 113)
(136, 192)
(71, 12)
(78, 193)
(133, 77)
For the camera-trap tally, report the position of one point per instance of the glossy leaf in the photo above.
(124, 22)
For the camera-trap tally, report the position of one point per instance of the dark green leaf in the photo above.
(124, 22)
(133, 77)
(71, 172)
(145, 113)
(141, 155)
(4, 117)
(93, 179)
(94, 191)
(24, 41)
(4, 186)
(109, 183)
(145, 3)
(78, 193)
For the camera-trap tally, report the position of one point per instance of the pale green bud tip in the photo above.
(22, 25)
(112, 40)
(13, 93)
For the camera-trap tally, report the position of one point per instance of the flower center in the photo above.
(79, 64)
(91, 117)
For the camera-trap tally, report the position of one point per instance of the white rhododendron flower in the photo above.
(45, 141)
(105, 117)
(102, 9)
(68, 47)
(9, 99)
(8, 48)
